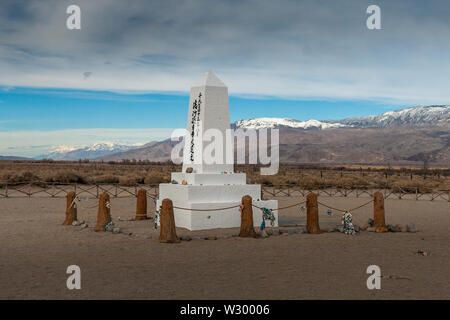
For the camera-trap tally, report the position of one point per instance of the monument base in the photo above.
(229, 218)
(196, 198)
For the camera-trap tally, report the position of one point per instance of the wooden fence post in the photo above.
(247, 230)
(312, 214)
(71, 209)
(167, 233)
(141, 205)
(378, 210)
(104, 212)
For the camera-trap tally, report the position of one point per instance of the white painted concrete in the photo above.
(209, 178)
(230, 218)
(208, 193)
(208, 109)
(208, 187)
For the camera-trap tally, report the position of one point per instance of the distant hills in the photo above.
(338, 146)
(13, 158)
(94, 151)
(423, 116)
(408, 136)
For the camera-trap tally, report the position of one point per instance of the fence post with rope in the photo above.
(167, 229)
(247, 230)
(378, 210)
(104, 212)
(312, 214)
(71, 209)
(141, 205)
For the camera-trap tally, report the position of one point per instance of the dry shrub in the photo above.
(314, 184)
(308, 177)
(130, 180)
(266, 182)
(445, 186)
(26, 176)
(352, 183)
(380, 183)
(155, 177)
(106, 179)
(66, 177)
(412, 186)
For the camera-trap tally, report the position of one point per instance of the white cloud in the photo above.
(290, 49)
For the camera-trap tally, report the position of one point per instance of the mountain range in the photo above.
(266, 123)
(9, 158)
(93, 151)
(407, 136)
(422, 116)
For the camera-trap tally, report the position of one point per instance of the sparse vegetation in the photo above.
(130, 173)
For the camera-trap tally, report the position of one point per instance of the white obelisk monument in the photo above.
(209, 185)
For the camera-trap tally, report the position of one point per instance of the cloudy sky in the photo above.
(133, 62)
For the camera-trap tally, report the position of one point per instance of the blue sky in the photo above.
(130, 67)
(35, 121)
(56, 109)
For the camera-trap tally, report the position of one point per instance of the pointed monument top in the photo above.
(210, 80)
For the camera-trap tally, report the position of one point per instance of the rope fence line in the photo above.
(154, 213)
(237, 206)
(215, 209)
(245, 209)
(282, 208)
(350, 210)
(278, 209)
(77, 198)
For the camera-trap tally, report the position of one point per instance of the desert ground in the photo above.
(36, 250)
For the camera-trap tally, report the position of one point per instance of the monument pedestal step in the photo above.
(209, 193)
(209, 178)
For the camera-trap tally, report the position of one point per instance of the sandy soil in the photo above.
(35, 251)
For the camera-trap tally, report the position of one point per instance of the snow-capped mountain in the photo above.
(87, 152)
(421, 116)
(403, 135)
(260, 123)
